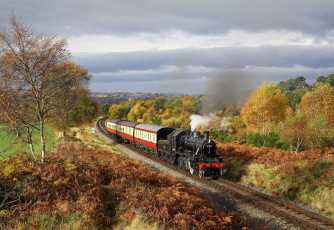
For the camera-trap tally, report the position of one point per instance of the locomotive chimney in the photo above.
(206, 134)
(196, 133)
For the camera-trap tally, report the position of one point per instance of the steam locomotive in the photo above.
(188, 150)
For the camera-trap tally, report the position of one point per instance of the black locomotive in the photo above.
(188, 150)
(193, 152)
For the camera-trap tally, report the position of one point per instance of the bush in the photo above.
(226, 138)
(267, 140)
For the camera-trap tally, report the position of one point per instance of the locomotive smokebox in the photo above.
(206, 134)
(196, 133)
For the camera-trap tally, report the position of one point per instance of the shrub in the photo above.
(226, 138)
(267, 140)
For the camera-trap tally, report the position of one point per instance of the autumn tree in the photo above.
(320, 101)
(28, 59)
(85, 110)
(294, 131)
(74, 82)
(173, 102)
(265, 108)
(116, 111)
(136, 113)
(318, 106)
(186, 102)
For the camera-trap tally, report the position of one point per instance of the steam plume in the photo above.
(203, 121)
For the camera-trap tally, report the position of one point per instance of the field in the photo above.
(307, 178)
(10, 144)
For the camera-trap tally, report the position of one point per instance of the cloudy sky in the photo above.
(188, 46)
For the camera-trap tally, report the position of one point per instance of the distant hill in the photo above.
(119, 97)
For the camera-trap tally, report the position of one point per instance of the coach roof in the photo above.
(114, 120)
(152, 128)
(128, 123)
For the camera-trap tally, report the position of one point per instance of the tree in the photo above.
(173, 102)
(186, 102)
(27, 61)
(75, 80)
(136, 113)
(294, 131)
(116, 111)
(159, 103)
(326, 80)
(321, 79)
(105, 109)
(294, 97)
(330, 80)
(265, 108)
(318, 102)
(319, 134)
(293, 84)
(85, 109)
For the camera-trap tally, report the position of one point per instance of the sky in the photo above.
(187, 46)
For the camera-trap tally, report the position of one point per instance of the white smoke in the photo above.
(203, 121)
(223, 124)
(206, 120)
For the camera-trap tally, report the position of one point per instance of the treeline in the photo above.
(173, 112)
(291, 115)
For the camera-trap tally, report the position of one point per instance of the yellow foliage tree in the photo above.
(264, 109)
(116, 111)
(319, 102)
(136, 113)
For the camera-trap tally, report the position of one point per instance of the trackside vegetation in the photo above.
(307, 178)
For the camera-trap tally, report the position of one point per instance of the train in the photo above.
(191, 151)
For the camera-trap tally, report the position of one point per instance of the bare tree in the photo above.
(27, 63)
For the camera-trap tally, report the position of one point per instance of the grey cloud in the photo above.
(267, 56)
(216, 67)
(66, 17)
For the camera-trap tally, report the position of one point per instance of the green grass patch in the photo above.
(10, 144)
(53, 221)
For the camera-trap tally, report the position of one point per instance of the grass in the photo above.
(90, 140)
(11, 145)
(307, 184)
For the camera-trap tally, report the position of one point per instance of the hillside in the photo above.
(11, 144)
(82, 187)
(307, 178)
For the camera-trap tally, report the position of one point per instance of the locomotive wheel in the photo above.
(181, 163)
(171, 160)
(191, 169)
(201, 172)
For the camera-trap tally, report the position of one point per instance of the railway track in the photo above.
(300, 217)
